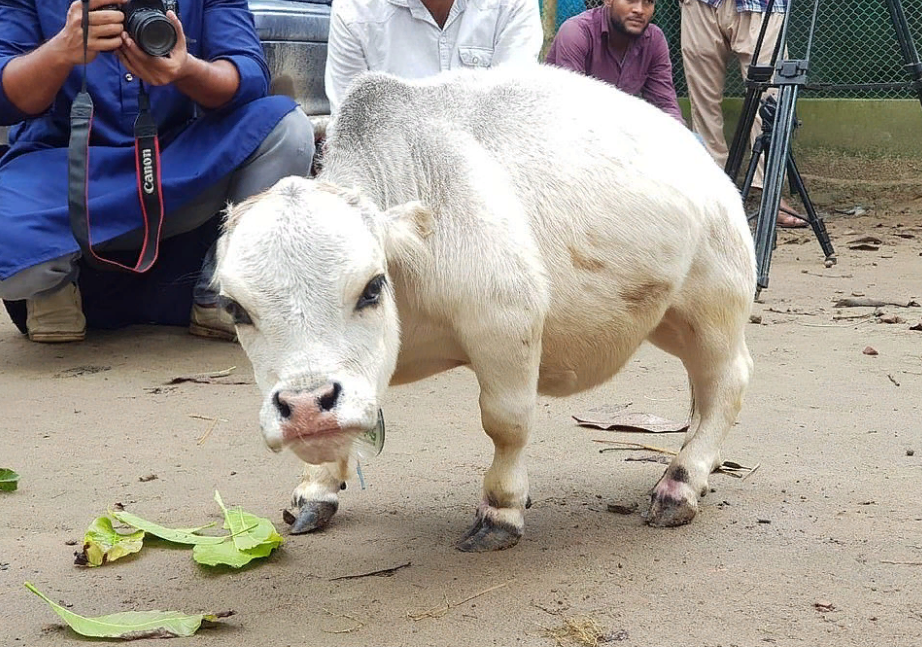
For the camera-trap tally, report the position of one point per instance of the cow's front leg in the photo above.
(316, 499)
(507, 403)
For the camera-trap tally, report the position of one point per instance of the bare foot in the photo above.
(788, 218)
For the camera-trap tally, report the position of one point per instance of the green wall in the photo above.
(863, 126)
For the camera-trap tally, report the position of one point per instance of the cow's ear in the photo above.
(406, 227)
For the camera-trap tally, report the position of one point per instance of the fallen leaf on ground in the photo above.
(169, 534)
(918, 326)
(132, 625)
(617, 508)
(868, 350)
(823, 606)
(870, 240)
(867, 302)
(208, 378)
(635, 422)
(251, 537)
(9, 480)
(103, 544)
(891, 319)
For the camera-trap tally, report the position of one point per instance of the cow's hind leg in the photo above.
(316, 498)
(507, 371)
(714, 352)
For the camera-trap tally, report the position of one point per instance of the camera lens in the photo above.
(152, 31)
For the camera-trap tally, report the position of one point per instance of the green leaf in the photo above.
(227, 554)
(131, 625)
(252, 537)
(247, 530)
(170, 534)
(9, 480)
(102, 544)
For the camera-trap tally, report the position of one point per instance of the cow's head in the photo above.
(303, 270)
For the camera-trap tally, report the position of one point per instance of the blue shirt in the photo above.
(755, 6)
(198, 146)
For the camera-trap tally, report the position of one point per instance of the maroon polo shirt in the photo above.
(582, 45)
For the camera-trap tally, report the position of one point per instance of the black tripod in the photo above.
(761, 149)
(789, 76)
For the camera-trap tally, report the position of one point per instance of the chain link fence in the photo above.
(854, 43)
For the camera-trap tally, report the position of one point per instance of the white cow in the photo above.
(535, 226)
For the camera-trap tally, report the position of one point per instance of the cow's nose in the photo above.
(282, 404)
(324, 399)
(328, 399)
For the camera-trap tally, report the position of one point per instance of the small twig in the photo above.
(828, 276)
(381, 572)
(359, 623)
(439, 611)
(893, 379)
(819, 325)
(624, 445)
(890, 561)
(734, 469)
(203, 437)
(727, 467)
(752, 471)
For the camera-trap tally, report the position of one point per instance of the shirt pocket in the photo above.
(472, 56)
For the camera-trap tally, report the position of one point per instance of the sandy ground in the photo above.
(822, 545)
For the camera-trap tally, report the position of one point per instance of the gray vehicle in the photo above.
(294, 38)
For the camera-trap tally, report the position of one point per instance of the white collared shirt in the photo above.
(401, 37)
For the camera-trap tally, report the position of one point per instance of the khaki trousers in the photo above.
(709, 36)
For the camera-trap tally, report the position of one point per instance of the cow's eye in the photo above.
(371, 295)
(235, 310)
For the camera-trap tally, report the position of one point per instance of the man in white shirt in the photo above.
(419, 38)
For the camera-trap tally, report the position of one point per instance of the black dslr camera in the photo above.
(148, 26)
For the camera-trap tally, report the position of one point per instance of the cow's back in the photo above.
(619, 202)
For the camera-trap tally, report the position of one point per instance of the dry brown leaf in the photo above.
(635, 422)
(867, 302)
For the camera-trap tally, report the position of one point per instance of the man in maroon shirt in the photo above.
(616, 43)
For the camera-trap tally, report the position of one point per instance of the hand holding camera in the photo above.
(105, 30)
(153, 43)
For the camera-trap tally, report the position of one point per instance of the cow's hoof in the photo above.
(313, 515)
(488, 535)
(673, 503)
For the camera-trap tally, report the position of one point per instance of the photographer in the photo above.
(221, 138)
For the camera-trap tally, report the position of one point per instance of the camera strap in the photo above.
(147, 169)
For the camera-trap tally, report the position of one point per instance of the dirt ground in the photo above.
(821, 545)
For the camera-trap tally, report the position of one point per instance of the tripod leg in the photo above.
(907, 47)
(778, 150)
(819, 227)
(741, 135)
(758, 148)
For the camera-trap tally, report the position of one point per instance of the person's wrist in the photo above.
(187, 70)
(62, 56)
